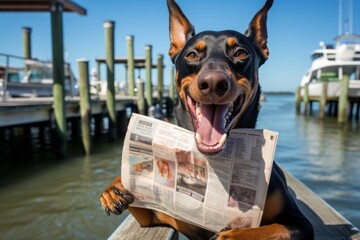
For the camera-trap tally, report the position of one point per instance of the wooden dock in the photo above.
(27, 111)
(327, 222)
(335, 99)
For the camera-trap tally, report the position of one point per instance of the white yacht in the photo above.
(331, 63)
(35, 80)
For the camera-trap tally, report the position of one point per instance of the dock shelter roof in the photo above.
(39, 6)
(139, 62)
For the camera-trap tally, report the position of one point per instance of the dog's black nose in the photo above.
(213, 83)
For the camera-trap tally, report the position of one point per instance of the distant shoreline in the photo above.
(278, 93)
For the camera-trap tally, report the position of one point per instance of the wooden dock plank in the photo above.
(19, 111)
(327, 222)
(130, 229)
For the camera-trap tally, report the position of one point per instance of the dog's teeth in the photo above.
(198, 111)
(223, 139)
(198, 138)
(228, 115)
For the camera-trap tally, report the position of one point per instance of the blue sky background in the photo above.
(295, 28)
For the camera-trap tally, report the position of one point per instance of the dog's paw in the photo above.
(115, 198)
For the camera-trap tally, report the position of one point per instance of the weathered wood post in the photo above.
(172, 84)
(26, 44)
(141, 97)
(323, 99)
(160, 85)
(298, 100)
(59, 77)
(85, 107)
(343, 100)
(148, 66)
(110, 66)
(130, 64)
(306, 99)
(98, 84)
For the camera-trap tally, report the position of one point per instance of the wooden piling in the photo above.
(98, 69)
(59, 77)
(85, 107)
(323, 99)
(26, 44)
(110, 66)
(343, 100)
(130, 64)
(160, 85)
(306, 99)
(298, 100)
(141, 97)
(148, 65)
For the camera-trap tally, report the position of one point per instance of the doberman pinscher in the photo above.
(218, 89)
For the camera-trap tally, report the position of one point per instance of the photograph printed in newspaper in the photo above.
(165, 171)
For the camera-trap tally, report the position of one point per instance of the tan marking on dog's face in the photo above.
(182, 87)
(200, 45)
(231, 41)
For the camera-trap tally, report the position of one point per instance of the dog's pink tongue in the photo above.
(212, 125)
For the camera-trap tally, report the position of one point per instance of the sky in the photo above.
(295, 28)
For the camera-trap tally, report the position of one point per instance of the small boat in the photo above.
(34, 79)
(331, 64)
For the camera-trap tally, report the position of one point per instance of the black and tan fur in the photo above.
(217, 72)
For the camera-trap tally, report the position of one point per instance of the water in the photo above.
(43, 198)
(324, 155)
(54, 199)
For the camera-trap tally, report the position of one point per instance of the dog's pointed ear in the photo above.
(181, 30)
(257, 30)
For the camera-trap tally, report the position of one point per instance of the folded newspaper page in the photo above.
(164, 170)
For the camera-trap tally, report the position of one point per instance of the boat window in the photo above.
(313, 77)
(13, 77)
(351, 72)
(330, 74)
(316, 56)
(35, 76)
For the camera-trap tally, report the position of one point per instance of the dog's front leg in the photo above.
(268, 232)
(115, 199)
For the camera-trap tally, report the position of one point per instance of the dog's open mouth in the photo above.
(212, 123)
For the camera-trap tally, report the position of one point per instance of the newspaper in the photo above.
(164, 170)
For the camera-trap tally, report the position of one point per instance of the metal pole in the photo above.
(59, 76)
(110, 66)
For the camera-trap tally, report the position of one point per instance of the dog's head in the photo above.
(217, 76)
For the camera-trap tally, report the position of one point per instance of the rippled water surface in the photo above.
(44, 198)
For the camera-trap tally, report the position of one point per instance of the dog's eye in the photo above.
(241, 54)
(192, 56)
